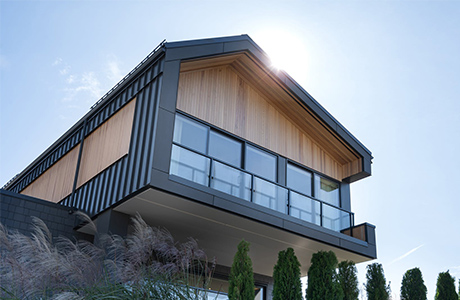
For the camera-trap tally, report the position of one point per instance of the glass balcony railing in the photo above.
(239, 183)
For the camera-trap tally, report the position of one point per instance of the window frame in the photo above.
(244, 151)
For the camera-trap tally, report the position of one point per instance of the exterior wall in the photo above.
(228, 100)
(16, 212)
(131, 172)
(114, 145)
(56, 182)
(107, 144)
(104, 146)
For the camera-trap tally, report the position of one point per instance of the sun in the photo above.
(287, 52)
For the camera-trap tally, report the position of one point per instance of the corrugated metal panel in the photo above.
(146, 88)
(131, 172)
(47, 162)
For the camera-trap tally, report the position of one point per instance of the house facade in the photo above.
(205, 139)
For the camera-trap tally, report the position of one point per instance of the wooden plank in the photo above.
(224, 98)
(106, 144)
(55, 183)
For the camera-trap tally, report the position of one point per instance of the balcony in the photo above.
(207, 171)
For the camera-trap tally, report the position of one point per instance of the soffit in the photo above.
(218, 232)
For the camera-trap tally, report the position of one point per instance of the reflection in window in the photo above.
(189, 165)
(231, 181)
(335, 219)
(327, 190)
(298, 179)
(190, 134)
(304, 208)
(270, 195)
(225, 149)
(261, 163)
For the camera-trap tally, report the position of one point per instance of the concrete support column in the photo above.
(112, 222)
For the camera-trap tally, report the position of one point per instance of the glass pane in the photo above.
(190, 133)
(327, 190)
(231, 181)
(189, 165)
(298, 179)
(261, 163)
(334, 218)
(270, 195)
(225, 149)
(304, 208)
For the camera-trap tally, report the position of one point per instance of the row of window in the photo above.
(236, 153)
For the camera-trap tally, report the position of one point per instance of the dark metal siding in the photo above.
(47, 161)
(129, 173)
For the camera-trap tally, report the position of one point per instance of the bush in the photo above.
(445, 287)
(348, 280)
(376, 287)
(146, 263)
(322, 277)
(413, 286)
(286, 275)
(241, 279)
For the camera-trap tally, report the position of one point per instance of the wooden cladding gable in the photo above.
(106, 144)
(235, 96)
(56, 182)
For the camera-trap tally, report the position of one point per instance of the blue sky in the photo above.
(389, 71)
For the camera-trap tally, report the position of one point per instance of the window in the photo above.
(190, 133)
(225, 149)
(327, 190)
(299, 179)
(305, 208)
(261, 163)
(189, 165)
(212, 158)
(270, 195)
(231, 181)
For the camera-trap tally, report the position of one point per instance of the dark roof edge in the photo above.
(289, 82)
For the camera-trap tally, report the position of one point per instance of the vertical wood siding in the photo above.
(131, 172)
(225, 99)
(107, 144)
(56, 182)
(127, 173)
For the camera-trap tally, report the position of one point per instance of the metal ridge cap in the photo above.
(204, 41)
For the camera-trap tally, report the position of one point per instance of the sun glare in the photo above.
(286, 51)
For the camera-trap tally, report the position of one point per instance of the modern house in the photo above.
(205, 139)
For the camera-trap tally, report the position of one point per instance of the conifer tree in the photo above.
(286, 275)
(445, 287)
(322, 277)
(348, 280)
(413, 286)
(241, 281)
(376, 286)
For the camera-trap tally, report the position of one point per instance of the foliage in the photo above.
(322, 277)
(445, 287)
(147, 263)
(413, 286)
(286, 275)
(241, 279)
(348, 280)
(376, 287)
